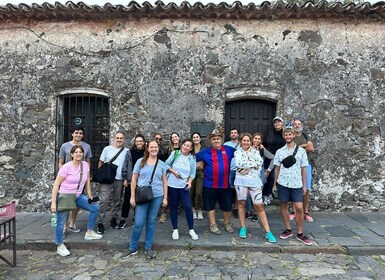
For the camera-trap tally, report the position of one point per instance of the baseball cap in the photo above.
(278, 118)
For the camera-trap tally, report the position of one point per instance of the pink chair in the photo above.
(8, 230)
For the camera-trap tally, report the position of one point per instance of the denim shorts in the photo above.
(286, 194)
(211, 196)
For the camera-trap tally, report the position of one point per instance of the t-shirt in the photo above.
(185, 166)
(71, 175)
(299, 140)
(217, 166)
(145, 173)
(65, 151)
(108, 153)
(237, 146)
(290, 177)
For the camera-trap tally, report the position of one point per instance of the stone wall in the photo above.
(161, 75)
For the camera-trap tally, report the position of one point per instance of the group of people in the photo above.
(189, 175)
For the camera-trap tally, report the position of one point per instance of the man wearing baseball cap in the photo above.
(274, 141)
(216, 187)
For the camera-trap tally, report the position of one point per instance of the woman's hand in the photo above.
(125, 183)
(132, 201)
(53, 207)
(164, 202)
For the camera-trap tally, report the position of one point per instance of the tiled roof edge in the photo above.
(265, 10)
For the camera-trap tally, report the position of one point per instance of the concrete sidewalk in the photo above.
(344, 233)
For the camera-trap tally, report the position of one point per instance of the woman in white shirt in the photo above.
(248, 181)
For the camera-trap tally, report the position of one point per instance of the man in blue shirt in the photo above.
(216, 187)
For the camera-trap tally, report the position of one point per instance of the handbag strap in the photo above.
(121, 150)
(81, 174)
(153, 171)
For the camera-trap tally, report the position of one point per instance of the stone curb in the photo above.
(40, 245)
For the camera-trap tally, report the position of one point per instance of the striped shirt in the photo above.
(217, 166)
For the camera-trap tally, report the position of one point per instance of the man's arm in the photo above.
(308, 146)
(303, 174)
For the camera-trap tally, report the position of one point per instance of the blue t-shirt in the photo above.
(217, 166)
(145, 173)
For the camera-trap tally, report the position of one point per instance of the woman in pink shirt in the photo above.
(71, 179)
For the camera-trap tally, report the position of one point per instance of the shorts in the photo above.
(211, 196)
(286, 194)
(255, 193)
(308, 177)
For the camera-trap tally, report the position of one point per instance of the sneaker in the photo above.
(292, 216)
(304, 240)
(200, 215)
(229, 228)
(193, 234)
(215, 230)
(162, 218)
(122, 224)
(175, 234)
(128, 254)
(91, 235)
(255, 218)
(195, 215)
(307, 217)
(62, 250)
(248, 215)
(266, 200)
(113, 223)
(150, 254)
(270, 237)
(235, 213)
(286, 234)
(73, 228)
(100, 228)
(243, 233)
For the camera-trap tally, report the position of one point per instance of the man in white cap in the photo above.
(274, 141)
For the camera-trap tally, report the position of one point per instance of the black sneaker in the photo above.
(113, 223)
(255, 218)
(100, 228)
(122, 224)
(150, 254)
(128, 254)
(235, 213)
(248, 216)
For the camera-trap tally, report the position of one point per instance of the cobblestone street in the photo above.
(193, 264)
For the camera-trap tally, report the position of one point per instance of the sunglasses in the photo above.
(157, 138)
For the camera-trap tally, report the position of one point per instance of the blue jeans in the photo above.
(174, 195)
(61, 217)
(145, 214)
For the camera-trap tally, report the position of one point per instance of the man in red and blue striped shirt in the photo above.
(216, 186)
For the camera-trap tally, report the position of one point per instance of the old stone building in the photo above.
(143, 68)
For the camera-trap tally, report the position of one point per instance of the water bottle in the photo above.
(53, 219)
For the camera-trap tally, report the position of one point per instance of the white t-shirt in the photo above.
(108, 153)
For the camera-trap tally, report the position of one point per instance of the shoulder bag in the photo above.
(289, 161)
(107, 172)
(144, 194)
(67, 201)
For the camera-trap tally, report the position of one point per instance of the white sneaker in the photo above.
(62, 250)
(200, 215)
(92, 235)
(193, 235)
(175, 234)
(195, 216)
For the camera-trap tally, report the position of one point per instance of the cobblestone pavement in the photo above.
(192, 264)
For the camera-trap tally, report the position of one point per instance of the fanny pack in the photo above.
(289, 161)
